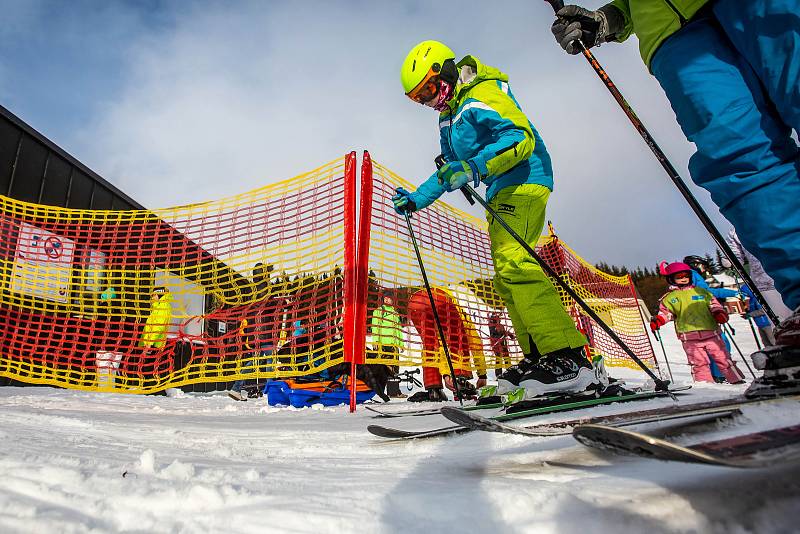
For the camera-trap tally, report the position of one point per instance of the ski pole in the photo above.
(670, 169)
(664, 351)
(436, 319)
(660, 384)
(755, 336)
(726, 328)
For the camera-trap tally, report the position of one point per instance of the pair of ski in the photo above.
(545, 406)
(758, 449)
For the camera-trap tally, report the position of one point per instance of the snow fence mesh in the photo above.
(265, 285)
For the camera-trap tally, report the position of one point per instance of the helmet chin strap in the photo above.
(445, 93)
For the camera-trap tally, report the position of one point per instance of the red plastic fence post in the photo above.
(362, 270)
(350, 277)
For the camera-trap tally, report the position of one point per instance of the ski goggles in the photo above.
(427, 89)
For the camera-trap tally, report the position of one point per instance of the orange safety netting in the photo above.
(266, 284)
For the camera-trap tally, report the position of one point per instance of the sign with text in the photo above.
(42, 264)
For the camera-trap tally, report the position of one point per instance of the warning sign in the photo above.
(42, 264)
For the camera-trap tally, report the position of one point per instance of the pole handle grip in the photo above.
(556, 4)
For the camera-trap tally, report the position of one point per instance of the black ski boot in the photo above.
(781, 366)
(429, 395)
(564, 371)
(788, 332)
(509, 380)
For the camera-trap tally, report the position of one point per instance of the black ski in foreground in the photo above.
(718, 408)
(545, 406)
(759, 449)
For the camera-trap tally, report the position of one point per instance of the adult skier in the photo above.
(486, 138)
(731, 71)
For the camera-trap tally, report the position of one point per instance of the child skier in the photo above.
(697, 316)
(485, 137)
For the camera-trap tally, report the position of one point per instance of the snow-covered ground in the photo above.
(83, 462)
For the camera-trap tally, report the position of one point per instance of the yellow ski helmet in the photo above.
(423, 62)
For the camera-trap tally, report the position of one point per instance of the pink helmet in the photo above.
(675, 268)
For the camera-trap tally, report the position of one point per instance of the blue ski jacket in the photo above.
(485, 125)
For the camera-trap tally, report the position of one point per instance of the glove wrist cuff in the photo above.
(612, 22)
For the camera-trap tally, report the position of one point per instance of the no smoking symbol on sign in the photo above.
(52, 247)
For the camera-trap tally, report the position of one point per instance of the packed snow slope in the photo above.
(82, 462)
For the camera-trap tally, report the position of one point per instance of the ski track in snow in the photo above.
(202, 463)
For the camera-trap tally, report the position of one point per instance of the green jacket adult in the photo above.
(654, 20)
(385, 325)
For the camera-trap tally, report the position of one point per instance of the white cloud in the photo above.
(236, 96)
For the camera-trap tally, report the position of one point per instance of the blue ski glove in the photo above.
(456, 174)
(403, 201)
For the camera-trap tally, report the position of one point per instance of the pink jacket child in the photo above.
(697, 316)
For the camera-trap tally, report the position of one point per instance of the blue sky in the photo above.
(180, 102)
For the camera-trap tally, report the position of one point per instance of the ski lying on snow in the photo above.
(394, 433)
(720, 408)
(427, 411)
(758, 449)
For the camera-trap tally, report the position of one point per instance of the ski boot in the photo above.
(781, 366)
(565, 371)
(429, 395)
(788, 332)
(509, 380)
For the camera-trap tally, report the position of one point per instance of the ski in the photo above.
(719, 408)
(427, 411)
(394, 433)
(758, 449)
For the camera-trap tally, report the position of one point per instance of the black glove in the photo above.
(593, 28)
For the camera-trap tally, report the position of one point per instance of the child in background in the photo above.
(697, 316)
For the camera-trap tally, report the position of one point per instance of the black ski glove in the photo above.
(593, 28)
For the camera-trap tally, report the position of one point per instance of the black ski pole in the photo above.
(726, 328)
(660, 384)
(664, 352)
(755, 335)
(670, 169)
(436, 319)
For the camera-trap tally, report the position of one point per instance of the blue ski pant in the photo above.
(733, 80)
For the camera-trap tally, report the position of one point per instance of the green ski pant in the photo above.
(533, 303)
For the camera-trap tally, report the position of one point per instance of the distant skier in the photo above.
(697, 316)
(485, 137)
(701, 273)
(731, 71)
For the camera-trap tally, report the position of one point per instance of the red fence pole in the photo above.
(362, 271)
(350, 276)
